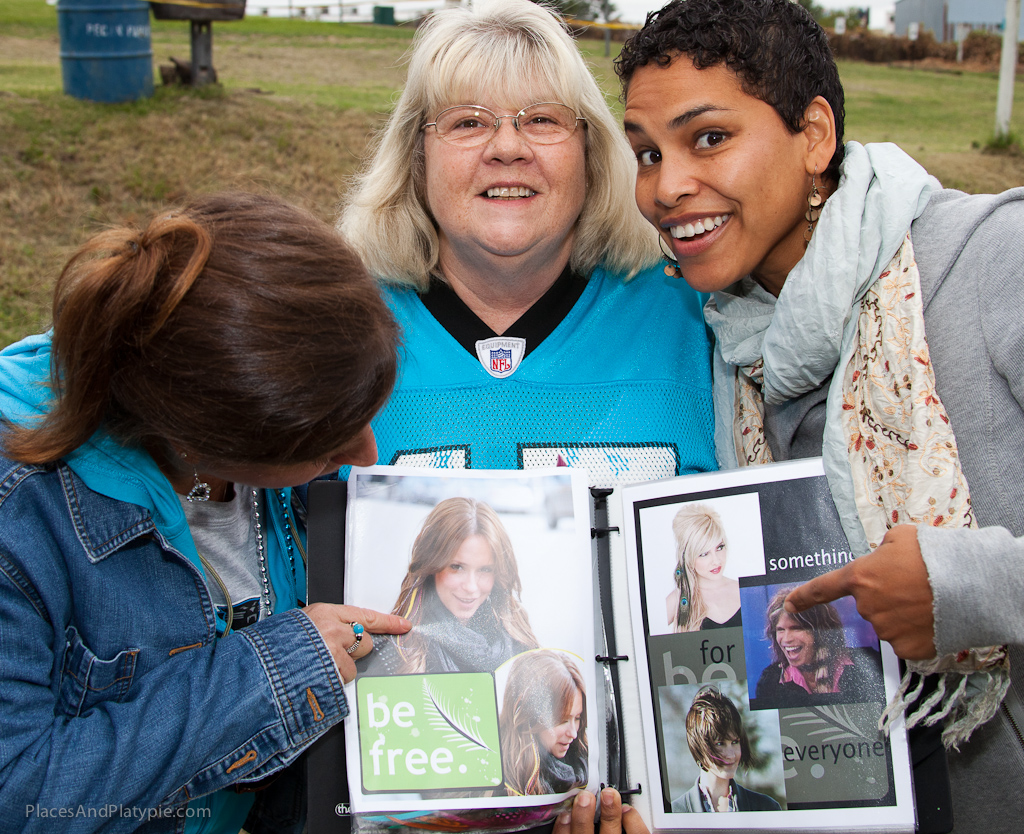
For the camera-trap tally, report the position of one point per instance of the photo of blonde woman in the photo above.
(703, 597)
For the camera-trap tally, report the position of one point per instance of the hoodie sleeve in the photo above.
(972, 269)
(977, 579)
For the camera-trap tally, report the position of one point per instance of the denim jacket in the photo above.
(120, 707)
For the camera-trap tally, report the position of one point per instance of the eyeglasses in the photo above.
(468, 125)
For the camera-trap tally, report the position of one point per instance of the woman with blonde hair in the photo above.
(704, 597)
(497, 211)
(543, 725)
(462, 595)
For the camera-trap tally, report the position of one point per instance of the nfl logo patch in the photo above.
(501, 360)
(501, 355)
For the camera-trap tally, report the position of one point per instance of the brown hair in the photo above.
(239, 328)
(538, 696)
(713, 718)
(825, 626)
(444, 530)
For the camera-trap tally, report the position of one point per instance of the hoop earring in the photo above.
(814, 201)
(672, 269)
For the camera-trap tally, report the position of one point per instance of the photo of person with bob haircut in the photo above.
(543, 725)
(719, 746)
(703, 597)
(462, 593)
(812, 662)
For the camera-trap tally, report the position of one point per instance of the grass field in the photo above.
(297, 105)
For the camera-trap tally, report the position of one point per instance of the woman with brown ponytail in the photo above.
(148, 529)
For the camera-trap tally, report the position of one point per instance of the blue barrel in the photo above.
(105, 49)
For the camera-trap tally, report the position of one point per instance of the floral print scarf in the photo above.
(889, 449)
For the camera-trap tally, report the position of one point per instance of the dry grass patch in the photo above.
(294, 116)
(242, 64)
(979, 173)
(66, 173)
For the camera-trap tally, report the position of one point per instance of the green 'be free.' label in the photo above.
(428, 732)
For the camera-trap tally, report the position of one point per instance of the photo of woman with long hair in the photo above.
(812, 659)
(703, 597)
(543, 725)
(461, 593)
(719, 746)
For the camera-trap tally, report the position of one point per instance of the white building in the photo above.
(940, 17)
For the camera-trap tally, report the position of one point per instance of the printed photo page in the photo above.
(490, 701)
(747, 708)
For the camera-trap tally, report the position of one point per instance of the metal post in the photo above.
(1007, 69)
(202, 53)
(607, 42)
(962, 31)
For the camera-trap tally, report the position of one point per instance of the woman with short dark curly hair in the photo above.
(864, 314)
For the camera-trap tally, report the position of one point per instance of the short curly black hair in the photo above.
(778, 51)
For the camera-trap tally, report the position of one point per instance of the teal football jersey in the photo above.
(621, 387)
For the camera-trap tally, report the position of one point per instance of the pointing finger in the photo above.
(824, 588)
(374, 621)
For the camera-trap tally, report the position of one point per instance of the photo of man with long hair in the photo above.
(812, 659)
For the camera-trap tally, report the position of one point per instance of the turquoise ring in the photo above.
(357, 630)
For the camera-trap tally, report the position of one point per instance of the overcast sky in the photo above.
(634, 11)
